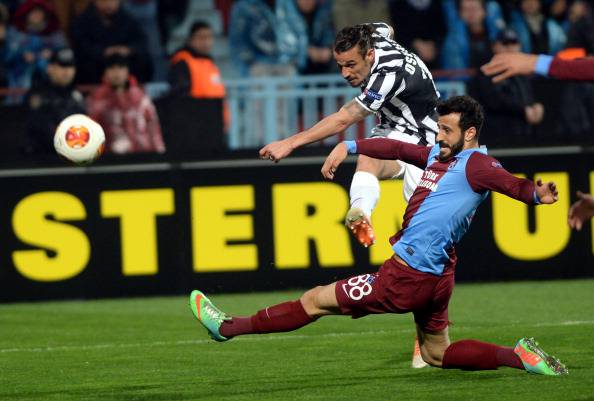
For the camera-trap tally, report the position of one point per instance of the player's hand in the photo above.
(337, 156)
(505, 65)
(275, 151)
(547, 192)
(581, 211)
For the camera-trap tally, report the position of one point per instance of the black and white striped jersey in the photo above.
(400, 89)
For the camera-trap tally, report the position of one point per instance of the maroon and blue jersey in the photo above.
(443, 205)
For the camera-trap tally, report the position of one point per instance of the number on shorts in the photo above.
(358, 291)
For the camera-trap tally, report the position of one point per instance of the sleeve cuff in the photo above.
(351, 146)
(543, 64)
(536, 199)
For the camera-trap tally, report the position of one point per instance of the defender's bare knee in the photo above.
(320, 301)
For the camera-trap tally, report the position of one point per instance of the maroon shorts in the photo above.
(397, 288)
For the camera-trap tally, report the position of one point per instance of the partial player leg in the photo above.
(287, 316)
(433, 345)
(478, 355)
(411, 177)
(365, 192)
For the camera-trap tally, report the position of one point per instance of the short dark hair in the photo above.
(199, 25)
(459, 4)
(352, 36)
(471, 112)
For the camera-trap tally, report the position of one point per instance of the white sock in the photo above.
(365, 191)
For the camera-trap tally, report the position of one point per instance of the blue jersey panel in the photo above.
(443, 217)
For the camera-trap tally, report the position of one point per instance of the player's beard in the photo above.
(454, 149)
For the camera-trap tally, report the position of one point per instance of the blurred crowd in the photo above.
(49, 48)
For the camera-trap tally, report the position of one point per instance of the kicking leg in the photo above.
(364, 193)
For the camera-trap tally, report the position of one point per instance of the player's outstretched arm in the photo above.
(505, 65)
(581, 211)
(349, 114)
(546, 192)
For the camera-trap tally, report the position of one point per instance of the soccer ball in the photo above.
(79, 139)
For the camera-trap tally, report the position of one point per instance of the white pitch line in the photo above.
(256, 338)
(192, 342)
(566, 323)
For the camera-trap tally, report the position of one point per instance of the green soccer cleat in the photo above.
(208, 315)
(537, 361)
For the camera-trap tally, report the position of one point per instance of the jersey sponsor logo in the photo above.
(372, 94)
(429, 180)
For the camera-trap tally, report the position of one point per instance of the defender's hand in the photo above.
(337, 156)
(277, 150)
(547, 192)
(506, 65)
(581, 211)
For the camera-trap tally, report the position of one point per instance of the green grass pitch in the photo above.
(152, 349)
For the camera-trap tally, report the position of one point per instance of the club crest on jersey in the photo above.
(496, 165)
(372, 95)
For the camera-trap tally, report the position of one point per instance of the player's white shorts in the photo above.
(411, 175)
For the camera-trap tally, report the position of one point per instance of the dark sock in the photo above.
(478, 355)
(507, 357)
(236, 326)
(287, 316)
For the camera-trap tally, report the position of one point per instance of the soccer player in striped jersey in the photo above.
(419, 277)
(397, 87)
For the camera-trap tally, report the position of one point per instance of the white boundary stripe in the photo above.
(192, 342)
(271, 337)
(218, 164)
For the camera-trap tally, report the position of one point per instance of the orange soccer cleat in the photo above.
(360, 226)
(417, 359)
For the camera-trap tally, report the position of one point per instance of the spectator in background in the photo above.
(67, 10)
(145, 14)
(267, 38)
(11, 5)
(105, 29)
(468, 42)
(580, 35)
(557, 10)
(33, 36)
(193, 72)
(169, 15)
(510, 106)
(126, 113)
(352, 12)
(317, 20)
(3, 46)
(412, 19)
(537, 33)
(52, 100)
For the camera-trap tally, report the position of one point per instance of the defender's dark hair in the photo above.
(352, 36)
(199, 25)
(471, 112)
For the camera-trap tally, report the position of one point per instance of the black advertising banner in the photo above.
(110, 231)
